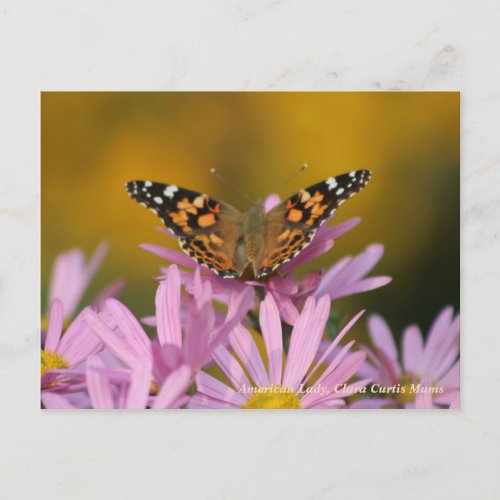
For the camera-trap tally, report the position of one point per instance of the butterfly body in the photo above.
(249, 245)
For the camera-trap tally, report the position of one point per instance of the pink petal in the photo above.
(72, 333)
(438, 357)
(202, 402)
(337, 359)
(140, 383)
(230, 367)
(334, 232)
(53, 401)
(96, 261)
(381, 337)
(288, 312)
(305, 340)
(71, 277)
(200, 326)
(438, 331)
(246, 349)
(85, 344)
(445, 363)
(271, 332)
(214, 388)
(413, 346)
(342, 374)
(360, 286)
(174, 387)
(168, 303)
(131, 328)
(371, 404)
(78, 341)
(54, 331)
(98, 386)
(270, 202)
(452, 376)
(423, 401)
(334, 344)
(282, 285)
(238, 306)
(115, 344)
(170, 255)
(455, 404)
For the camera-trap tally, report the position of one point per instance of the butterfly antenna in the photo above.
(230, 184)
(300, 170)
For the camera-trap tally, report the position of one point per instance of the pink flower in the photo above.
(435, 359)
(185, 341)
(71, 277)
(287, 384)
(60, 353)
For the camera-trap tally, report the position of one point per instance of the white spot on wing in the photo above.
(148, 184)
(331, 182)
(170, 191)
(158, 200)
(339, 191)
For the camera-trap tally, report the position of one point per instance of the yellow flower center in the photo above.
(154, 389)
(272, 397)
(410, 382)
(406, 396)
(50, 360)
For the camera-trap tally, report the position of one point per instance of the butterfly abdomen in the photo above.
(253, 229)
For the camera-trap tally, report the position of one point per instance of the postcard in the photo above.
(250, 250)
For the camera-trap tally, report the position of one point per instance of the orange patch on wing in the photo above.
(206, 220)
(215, 239)
(187, 206)
(318, 209)
(317, 198)
(178, 217)
(284, 235)
(295, 215)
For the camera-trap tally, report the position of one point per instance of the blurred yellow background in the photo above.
(94, 142)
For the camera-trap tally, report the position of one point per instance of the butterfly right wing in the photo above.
(294, 222)
(208, 230)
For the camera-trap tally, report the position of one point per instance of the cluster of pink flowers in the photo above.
(222, 343)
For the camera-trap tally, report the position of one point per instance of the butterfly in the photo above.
(249, 245)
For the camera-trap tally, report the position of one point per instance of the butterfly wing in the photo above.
(293, 223)
(208, 230)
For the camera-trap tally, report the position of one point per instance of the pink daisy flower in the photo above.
(185, 339)
(61, 353)
(435, 359)
(297, 381)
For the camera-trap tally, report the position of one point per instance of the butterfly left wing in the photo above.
(293, 223)
(207, 229)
